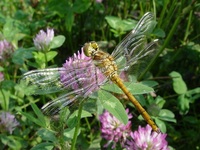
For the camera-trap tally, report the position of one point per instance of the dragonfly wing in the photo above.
(69, 99)
(65, 78)
(43, 81)
(75, 81)
(134, 46)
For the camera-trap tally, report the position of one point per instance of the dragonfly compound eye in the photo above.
(90, 48)
(94, 45)
(87, 49)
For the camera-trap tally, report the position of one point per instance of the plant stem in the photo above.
(77, 127)
(45, 57)
(188, 26)
(4, 98)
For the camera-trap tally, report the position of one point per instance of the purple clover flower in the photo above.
(6, 49)
(145, 139)
(80, 72)
(43, 39)
(99, 1)
(113, 130)
(8, 122)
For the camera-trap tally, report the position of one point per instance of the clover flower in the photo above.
(79, 72)
(43, 39)
(113, 130)
(99, 1)
(8, 122)
(145, 139)
(6, 49)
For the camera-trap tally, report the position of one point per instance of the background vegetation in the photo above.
(175, 69)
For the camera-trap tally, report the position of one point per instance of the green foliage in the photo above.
(112, 104)
(57, 42)
(119, 26)
(185, 96)
(21, 55)
(170, 90)
(134, 88)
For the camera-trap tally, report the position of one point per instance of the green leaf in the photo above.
(51, 55)
(69, 132)
(95, 144)
(113, 21)
(194, 91)
(193, 94)
(5, 99)
(167, 115)
(183, 104)
(1, 69)
(43, 146)
(47, 135)
(81, 6)
(112, 88)
(149, 83)
(72, 121)
(57, 41)
(113, 105)
(84, 114)
(14, 26)
(21, 54)
(153, 109)
(90, 105)
(134, 88)
(161, 125)
(33, 119)
(159, 33)
(12, 142)
(160, 101)
(69, 20)
(7, 84)
(138, 88)
(39, 114)
(40, 57)
(178, 83)
(120, 25)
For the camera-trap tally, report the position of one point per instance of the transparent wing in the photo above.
(59, 79)
(76, 82)
(43, 81)
(67, 99)
(134, 46)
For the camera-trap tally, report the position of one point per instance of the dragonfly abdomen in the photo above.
(118, 81)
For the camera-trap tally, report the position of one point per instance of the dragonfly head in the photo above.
(90, 48)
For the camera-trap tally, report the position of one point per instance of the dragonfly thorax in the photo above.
(102, 60)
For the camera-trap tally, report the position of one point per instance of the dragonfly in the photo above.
(86, 72)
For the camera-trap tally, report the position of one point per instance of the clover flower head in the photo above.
(113, 130)
(99, 1)
(8, 122)
(145, 139)
(43, 39)
(79, 72)
(6, 49)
